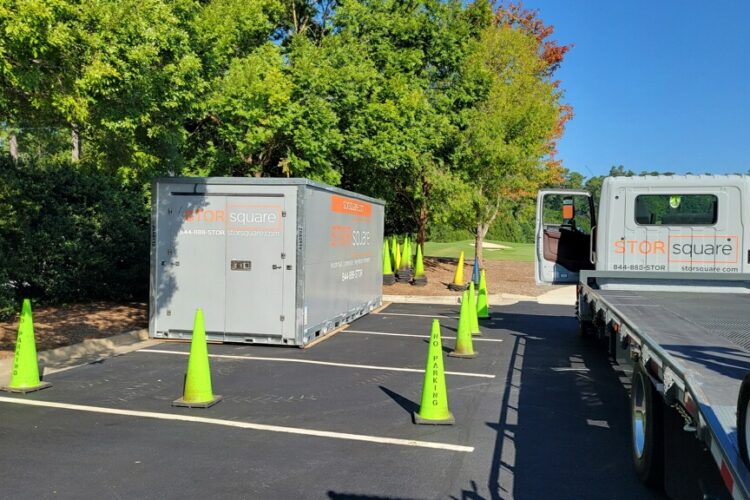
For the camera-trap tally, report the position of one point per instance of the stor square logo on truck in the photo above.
(698, 249)
(704, 249)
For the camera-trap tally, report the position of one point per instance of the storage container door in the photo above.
(255, 263)
(190, 260)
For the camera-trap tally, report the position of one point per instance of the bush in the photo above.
(7, 297)
(70, 232)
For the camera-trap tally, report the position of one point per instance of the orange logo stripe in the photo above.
(350, 206)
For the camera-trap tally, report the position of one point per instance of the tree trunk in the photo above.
(422, 226)
(483, 226)
(479, 242)
(424, 213)
(13, 146)
(75, 142)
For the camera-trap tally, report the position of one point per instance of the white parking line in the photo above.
(325, 363)
(473, 339)
(241, 425)
(416, 315)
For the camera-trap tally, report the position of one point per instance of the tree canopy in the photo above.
(446, 109)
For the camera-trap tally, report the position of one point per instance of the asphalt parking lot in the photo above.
(539, 413)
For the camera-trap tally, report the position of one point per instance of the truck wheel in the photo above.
(743, 419)
(646, 414)
(585, 328)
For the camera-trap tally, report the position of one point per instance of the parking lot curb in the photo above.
(555, 297)
(88, 351)
(502, 299)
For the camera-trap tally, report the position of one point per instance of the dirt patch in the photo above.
(66, 325)
(516, 278)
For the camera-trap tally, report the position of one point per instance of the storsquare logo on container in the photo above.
(239, 217)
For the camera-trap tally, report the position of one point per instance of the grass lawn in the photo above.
(523, 252)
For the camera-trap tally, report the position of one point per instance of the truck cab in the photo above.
(663, 280)
(652, 224)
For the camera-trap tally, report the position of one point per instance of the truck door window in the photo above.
(676, 209)
(567, 212)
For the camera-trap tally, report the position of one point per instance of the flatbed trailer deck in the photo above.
(694, 346)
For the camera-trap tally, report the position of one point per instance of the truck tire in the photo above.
(647, 436)
(743, 419)
(586, 329)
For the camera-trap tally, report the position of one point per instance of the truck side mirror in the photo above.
(568, 211)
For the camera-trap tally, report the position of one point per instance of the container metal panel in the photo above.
(255, 273)
(187, 277)
(343, 273)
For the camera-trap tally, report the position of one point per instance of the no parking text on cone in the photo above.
(197, 392)
(25, 375)
(434, 407)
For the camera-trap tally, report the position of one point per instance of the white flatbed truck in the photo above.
(663, 279)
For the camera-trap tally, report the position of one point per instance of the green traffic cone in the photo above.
(419, 277)
(398, 256)
(386, 260)
(419, 267)
(409, 253)
(474, 323)
(405, 255)
(393, 253)
(388, 277)
(483, 308)
(25, 375)
(458, 278)
(464, 347)
(434, 406)
(198, 393)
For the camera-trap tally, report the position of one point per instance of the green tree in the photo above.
(507, 135)
(398, 137)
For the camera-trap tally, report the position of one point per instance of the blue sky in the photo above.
(655, 85)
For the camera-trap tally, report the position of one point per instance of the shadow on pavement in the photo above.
(407, 404)
(563, 429)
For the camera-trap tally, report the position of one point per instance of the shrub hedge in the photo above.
(70, 232)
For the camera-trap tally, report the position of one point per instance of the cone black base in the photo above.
(419, 281)
(454, 354)
(423, 421)
(457, 288)
(404, 275)
(24, 390)
(389, 279)
(484, 317)
(201, 404)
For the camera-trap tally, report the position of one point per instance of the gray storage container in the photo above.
(270, 261)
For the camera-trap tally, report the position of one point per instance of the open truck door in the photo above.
(565, 235)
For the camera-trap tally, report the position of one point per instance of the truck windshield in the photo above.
(676, 209)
